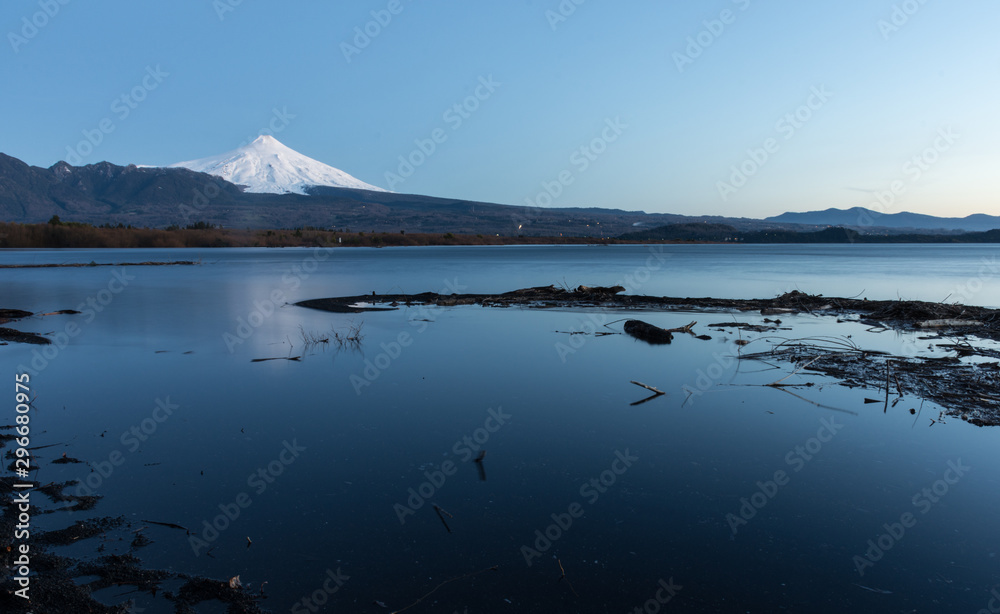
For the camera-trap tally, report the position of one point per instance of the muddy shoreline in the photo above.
(10, 335)
(966, 390)
(62, 584)
(903, 315)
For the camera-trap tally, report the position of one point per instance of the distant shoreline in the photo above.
(77, 236)
(93, 264)
(71, 235)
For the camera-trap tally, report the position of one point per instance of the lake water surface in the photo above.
(739, 497)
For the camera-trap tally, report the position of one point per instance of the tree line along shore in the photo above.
(75, 235)
(59, 234)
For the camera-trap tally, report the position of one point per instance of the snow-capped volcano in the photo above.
(266, 166)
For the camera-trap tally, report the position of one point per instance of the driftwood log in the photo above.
(645, 331)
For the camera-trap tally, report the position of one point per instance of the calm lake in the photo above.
(721, 496)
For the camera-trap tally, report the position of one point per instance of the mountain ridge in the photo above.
(105, 193)
(862, 218)
(724, 233)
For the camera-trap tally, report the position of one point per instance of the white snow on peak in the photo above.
(265, 166)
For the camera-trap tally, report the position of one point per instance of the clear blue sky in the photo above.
(211, 74)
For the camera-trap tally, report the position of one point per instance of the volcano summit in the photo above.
(266, 166)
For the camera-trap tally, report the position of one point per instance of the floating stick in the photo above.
(563, 577)
(650, 388)
(441, 514)
(468, 575)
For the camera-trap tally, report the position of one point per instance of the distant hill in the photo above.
(685, 232)
(861, 218)
(723, 233)
(101, 191)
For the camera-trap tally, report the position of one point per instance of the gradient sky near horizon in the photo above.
(695, 97)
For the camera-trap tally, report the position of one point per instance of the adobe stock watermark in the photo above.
(454, 117)
(32, 24)
(987, 271)
(523, 216)
(911, 172)
(899, 17)
(579, 161)
(590, 491)
(993, 605)
(365, 34)
(333, 581)
(564, 10)
(200, 200)
(713, 30)
(796, 458)
(787, 127)
(264, 308)
(89, 309)
(280, 119)
(465, 449)
(230, 512)
(632, 282)
(923, 501)
(427, 315)
(122, 107)
(706, 378)
(131, 440)
(223, 7)
(375, 367)
(665, 592)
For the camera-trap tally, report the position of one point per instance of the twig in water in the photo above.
(646, 400)
(682, 329)
(650, 388)
(468, 575)
(439, 511)
(886, 407)
(874, 590)
(778, 383)
(170, 525)
(918, 414)
(51, 445)
(656, 393)
(563, 577)
(820, 405)
(479, 465)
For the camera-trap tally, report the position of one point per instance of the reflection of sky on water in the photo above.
(333, 506)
